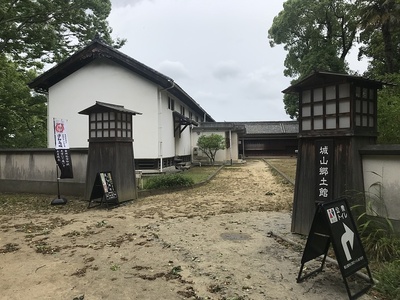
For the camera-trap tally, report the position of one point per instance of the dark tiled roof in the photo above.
(220, 126)
(261, 128)
(271, 128)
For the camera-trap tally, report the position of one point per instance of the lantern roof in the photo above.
(106, 107)
(324, 78)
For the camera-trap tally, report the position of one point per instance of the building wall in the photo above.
(382, 185)
(232, 153)
(104, 81)
(222, 156)
(182, 142)
(166, 144)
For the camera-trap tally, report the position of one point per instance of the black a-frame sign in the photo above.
(333, 223)
(104, 189)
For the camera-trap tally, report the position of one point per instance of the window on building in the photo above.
(190, 115)
(171, 103)
(182, 110)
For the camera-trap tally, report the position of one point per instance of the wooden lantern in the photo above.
(337, 117)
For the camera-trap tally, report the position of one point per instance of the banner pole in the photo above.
(58, 200)
(58, 184)
(62, 155)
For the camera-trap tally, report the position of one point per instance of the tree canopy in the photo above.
(319, 35)
(22, 115)
(315, 34)
(49, 30)
(32, 34)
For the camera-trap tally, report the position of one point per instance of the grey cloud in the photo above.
(124, 3)
(226, 69)
(174, 69)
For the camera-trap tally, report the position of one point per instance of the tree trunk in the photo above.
(387, 41)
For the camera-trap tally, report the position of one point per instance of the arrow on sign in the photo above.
(347, 241)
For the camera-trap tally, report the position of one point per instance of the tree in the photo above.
(381, 35)
(22, 114)
(210, 144)
(381, 39)
(48, 30)
(317, 35)
(389, 110)
(33, 33)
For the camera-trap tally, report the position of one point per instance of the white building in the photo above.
(100, 73)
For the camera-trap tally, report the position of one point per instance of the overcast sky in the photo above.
(216, 50)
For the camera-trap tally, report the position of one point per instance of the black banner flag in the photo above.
(62, 153)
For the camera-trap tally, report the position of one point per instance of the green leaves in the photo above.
(381, 34)
(210, 144)
(22, 114)
(48, 30)
(317, 35)
(168, 181)
(389, 110)
(33, 33)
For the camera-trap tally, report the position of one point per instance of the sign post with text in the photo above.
(324, 173)
(333, 223)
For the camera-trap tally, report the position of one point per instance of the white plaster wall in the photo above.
(382, 184)
(222, 155)
(102, 80)
(173, 146)
(232, 153)
(183, 143)
(166, 124)
(183, 146)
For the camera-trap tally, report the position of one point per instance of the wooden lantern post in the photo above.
(337, 117)
(111, 148)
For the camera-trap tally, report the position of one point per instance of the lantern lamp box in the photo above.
(333, 223)
(104, 189)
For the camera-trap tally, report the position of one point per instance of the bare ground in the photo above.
(209, 242)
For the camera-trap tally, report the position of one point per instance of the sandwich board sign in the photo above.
(104, 189)
(333, 223)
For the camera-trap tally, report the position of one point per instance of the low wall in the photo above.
(35, 171)
(381, 165)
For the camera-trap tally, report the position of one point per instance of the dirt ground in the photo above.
(215, 241)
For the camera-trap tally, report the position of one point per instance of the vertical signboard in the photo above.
(62, 153)
(347, 244)
(324, 170)
(108, 186)
(104, 188)
(333, 223)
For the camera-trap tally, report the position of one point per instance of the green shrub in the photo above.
(388, 280)
(381, 241)
(167, 181)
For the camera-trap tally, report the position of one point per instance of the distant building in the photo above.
(268, 138)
